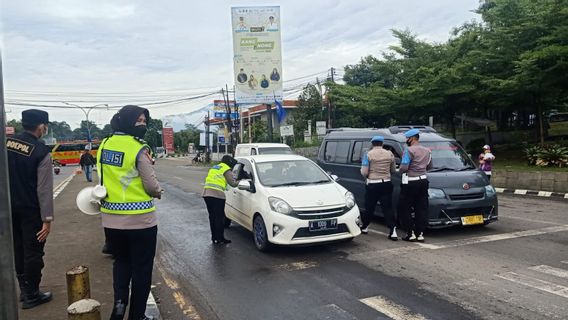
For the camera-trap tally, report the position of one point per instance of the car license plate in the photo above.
(469, 220)
(322, 225)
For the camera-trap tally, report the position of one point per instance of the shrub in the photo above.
(531, 153)
(547, 156)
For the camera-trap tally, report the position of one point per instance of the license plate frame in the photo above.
(472, 220)
(322, 225)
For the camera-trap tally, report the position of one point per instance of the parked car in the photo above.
(288, 200)
(459, 193)
(248, 149)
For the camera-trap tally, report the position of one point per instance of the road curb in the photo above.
(542, 194)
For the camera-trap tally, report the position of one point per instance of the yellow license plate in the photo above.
(469, 220)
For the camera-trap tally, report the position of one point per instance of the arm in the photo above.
(429, 166)
(230, 179)
(45, 196)
(147, 174)
(365, 166)
(405, 162)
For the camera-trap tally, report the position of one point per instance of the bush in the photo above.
(475, 146)
(553, 155)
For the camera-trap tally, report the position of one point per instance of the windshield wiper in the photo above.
(289, 184)
(441, 169)
(318, 181)
(466, 168)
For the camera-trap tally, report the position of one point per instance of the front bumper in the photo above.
(446, 214)
(295, 231)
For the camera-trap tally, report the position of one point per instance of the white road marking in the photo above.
(527, 219)
(499, 190)
(391, 309)
(336, 312)
(557, 272)
(301, 265)
(544, 193)
(565, 262)
(378, 232)
(535, 283)
(57, 190)
(521, 191)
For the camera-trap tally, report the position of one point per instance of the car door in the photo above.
(396, 150)
(242, 199)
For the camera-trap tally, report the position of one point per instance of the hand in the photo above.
(44, 232)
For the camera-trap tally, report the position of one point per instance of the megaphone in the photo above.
(88, 199)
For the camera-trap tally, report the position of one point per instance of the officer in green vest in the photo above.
(128, 213)
(216, 182)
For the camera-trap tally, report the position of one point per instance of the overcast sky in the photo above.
(111, 51)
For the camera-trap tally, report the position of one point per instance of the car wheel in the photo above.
(260, 234)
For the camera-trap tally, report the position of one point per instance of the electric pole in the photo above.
(207, 154)
(8, 305)
(269, 121)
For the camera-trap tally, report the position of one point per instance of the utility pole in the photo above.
(207, 120)
(86, 111)
(9, 305)
(322, 99)
(228, 117)
(269, 121)
(332, 74)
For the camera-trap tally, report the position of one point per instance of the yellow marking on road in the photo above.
(301, 265)
(391, 309)
(187, 308)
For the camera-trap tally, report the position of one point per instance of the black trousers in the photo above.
(133, 252)
(413, 195)
(216, 209)
(379, 192)
(28, 252)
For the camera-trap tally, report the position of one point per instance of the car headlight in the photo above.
(489, 190)
(279, 205)
(349, 200)
(436, 193)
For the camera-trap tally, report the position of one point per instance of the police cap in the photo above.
(33, 117)
(411, 133)
(378, 139)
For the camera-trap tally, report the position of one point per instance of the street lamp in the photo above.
(86, 111)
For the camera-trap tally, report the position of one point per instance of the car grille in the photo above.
(320, 214)
(456, 213)
(468, 196)
(305, 232)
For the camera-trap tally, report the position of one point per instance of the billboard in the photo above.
(168, 140)
(257, 54)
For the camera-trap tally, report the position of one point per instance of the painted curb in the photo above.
(542, 194)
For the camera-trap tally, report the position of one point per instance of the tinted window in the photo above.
(337, 151)
(295, 172)
(246, 169)
(275, 150)
(448, 155)
(358, 151)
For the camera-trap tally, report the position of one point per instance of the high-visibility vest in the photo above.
(116, 163)
(216, 177)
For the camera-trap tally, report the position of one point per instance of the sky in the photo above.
(121, 52)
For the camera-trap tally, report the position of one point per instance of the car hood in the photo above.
(454, 182)
(310, 196)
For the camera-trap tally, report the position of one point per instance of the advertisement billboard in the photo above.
(257, 54)
(168, 140)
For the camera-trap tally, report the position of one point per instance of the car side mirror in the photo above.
(245, 185)
(334, 177)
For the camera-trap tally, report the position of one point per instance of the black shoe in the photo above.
(225, 241)
(22, 284)
(106, 249)
(410, 237)
(118, 310)
(35, 299)
(392, 235)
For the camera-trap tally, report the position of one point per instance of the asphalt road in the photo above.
(516, 268)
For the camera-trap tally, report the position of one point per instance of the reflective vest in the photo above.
(116, 163)
(216, 179)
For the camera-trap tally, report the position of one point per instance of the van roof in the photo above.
(264, 144)
(273, 157)
(426, 134)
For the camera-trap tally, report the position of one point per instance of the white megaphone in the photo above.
(89, 199)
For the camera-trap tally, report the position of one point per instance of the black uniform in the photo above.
(25, 153)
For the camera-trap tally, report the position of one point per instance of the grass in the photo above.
(514, 159)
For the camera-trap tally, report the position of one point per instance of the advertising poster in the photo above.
(257, 54)
(168, 136)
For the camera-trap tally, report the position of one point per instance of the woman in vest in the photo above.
(125, 169)
(218, 178)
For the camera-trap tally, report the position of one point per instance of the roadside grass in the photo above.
(513, 158)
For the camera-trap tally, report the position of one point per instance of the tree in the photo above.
(17, 124)
(183, 138)
(309, 108)
(61, 130)
(153, 137)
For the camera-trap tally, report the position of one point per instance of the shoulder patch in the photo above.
(113, 158)
(19, 146)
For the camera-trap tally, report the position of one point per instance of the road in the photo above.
(516, 268)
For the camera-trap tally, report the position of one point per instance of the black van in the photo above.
(459, 193)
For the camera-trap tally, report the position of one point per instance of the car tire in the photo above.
(260, 234)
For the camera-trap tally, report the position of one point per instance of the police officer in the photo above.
(416, 160)
(376, 167)
(31, 195)
(216, 182)
(128, 212)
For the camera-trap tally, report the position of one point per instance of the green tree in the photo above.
(309, 108)
(17, 124)
(61, 130)
(183, 138)
(153, 137)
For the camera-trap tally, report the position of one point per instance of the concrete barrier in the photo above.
(531, 180)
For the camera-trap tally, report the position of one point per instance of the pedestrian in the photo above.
(486, 161)
(87, 162)
(376, 167)
(416, 160)
(31, 195)
(128, 212)
(219, 176)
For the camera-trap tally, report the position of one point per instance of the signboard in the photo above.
(320, 128)
(287, 130)
(168, 140)
(10, 131)
(223, 115)
(202, 139)
(257, 54)
(220, 140)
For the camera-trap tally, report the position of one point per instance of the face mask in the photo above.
(140, 131)
(45, 131)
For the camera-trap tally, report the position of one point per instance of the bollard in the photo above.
(78, 286)
(85, 309)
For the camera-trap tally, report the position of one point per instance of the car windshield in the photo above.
(448, 156)
(275, 150)
(290, 173)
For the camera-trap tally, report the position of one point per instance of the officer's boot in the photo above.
(33, 297)
(22, 284)
(118, 310)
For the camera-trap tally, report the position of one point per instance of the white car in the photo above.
(247, 149)
(288, 199)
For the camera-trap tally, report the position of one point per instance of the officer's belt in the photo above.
(369, 181)
(422, 177)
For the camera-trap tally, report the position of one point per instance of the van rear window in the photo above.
(336, 151)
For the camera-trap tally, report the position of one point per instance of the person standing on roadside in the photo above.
(416, 160)
(125, 168)
(31, 194)
(87, 162)
(219, 176)
(486, 161)
(376, 167)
